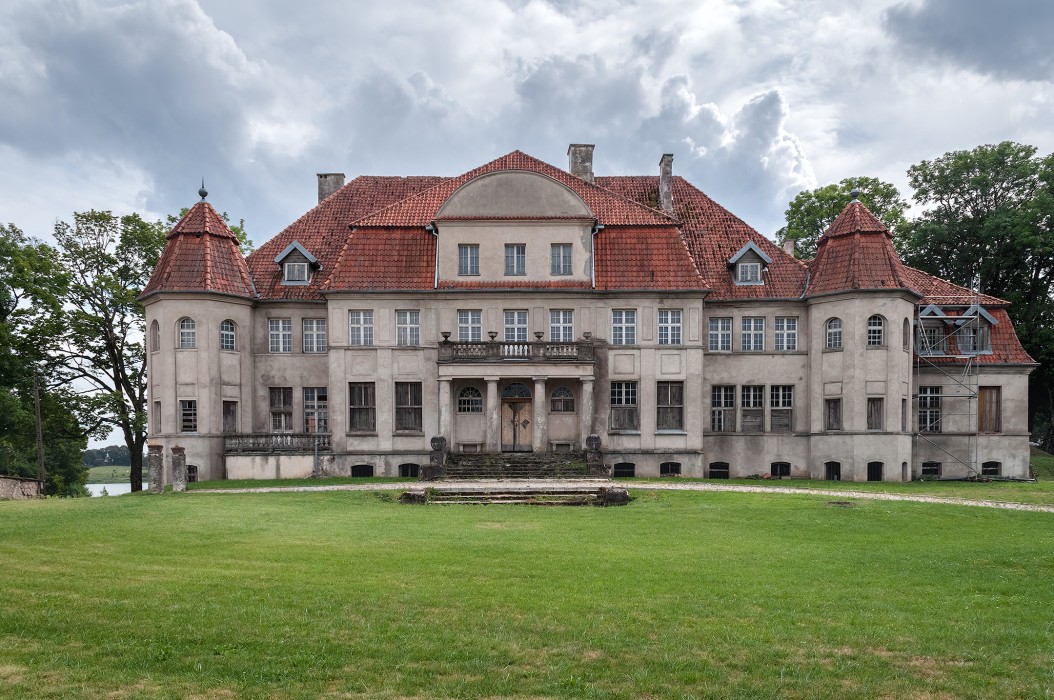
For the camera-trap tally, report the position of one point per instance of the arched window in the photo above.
(562, 400)
(227, 335)
(470, 400)
(834, 333)
(155, 336)
(906, 335)
(188, 333)
(876, 331)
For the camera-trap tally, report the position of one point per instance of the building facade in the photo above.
(519, 307)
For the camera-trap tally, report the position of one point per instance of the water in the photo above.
(113, 489)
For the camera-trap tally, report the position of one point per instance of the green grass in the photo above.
(677, 595)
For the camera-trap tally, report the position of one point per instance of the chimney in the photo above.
(328, 183)
(666, 182)
(580, 159)
(788, 247)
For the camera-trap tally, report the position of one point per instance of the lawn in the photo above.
(677, 595)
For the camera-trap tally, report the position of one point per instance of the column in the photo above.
(179, 469)
(493, 429)
(540, 435)
(444, 411)
(585, 413)
(155, 463)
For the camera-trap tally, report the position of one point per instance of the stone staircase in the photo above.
(524, 465)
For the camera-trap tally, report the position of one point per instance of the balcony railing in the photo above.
(276, 442)
(501, 351)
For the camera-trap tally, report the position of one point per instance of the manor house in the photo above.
(520, 307)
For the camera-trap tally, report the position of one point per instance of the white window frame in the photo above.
(560, 259)
(316, 339)
(470, 325)
(360, 327)
(408, 327)
(752, 334)
(670, 326)
(280, 335)
(468, 259)
(785, 334)
(720, 339)
(623, 326)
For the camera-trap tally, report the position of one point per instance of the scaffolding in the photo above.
(948, 345)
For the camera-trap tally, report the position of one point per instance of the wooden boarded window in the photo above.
(989, 410)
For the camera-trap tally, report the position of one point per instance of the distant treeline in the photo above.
(117, 455)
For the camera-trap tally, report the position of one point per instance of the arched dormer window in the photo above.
(228, 335)
(876, 331)
(155, 336)
(470, 400)
(562, 400)
(833, 329)
(188, 333)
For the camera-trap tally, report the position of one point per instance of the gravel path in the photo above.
(664, 486)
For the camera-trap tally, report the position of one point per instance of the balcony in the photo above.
(501, 351)
(276, 442)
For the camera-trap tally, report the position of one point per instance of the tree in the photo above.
(812, 211)
(109, 260)
(989, 217)
(31, 324)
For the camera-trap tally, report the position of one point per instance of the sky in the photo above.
(126, 105)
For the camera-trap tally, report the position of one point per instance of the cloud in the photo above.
(1008, 39)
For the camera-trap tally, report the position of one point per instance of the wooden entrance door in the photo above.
(517, 419)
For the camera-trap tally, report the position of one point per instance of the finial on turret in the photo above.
(203, 193)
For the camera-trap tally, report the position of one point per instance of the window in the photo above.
(155, 336)
(720, 335)
(876, 415)
(408, 328)
(624, 413)
(230, 416)
(832, 471)
(315, 335)
(974, 340)
(781, 408)
(723, 409)
(316, 413)
(281, 403)
(623, 326)
(188, 333)
(670, 415)
(155, 417)
(931, 469)
(834, 333)
(362, 407)
(670, 469)
(989, 410)
(470, 400)
(874, 471)
(929, 409)
(561, 259)
(561, 325)
(227, 335)
(294, 272)
(515, 258)
(780, 470)
(752, 402)
(719, 470)
(748, 273)
(753, 335)
(669, 326)
(832, 414)
(876, 331)
(991, 469)
(409, 470)
(280, 335)
(932, 340)
(786, 339)
(562, 400)
(467, 259)
(408, 406)
(360, 327)
(516, 326)
(469, 325)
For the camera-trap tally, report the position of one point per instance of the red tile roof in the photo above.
(856, 252)
(201, 255)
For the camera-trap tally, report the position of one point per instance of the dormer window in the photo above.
(748, 264)
(297, 264)
(295, 272)
(748, 273)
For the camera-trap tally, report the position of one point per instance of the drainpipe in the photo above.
(434, 230)
(597, 228)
